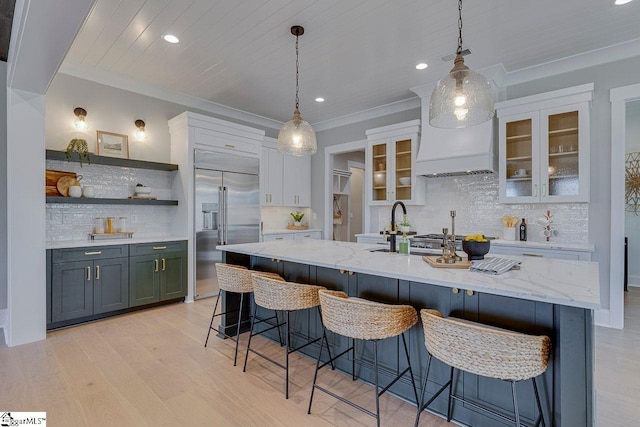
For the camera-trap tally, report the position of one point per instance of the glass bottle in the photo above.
(98, 225)
(110, 225)
(403, 245)
(121, 226)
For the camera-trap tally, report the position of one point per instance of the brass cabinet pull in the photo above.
(279, 238)
(535, 190)
(351, 273)
(93, 253)
(229, 145)
(470, 292)
(159, 248)
(455, 290)
(156, 263)
(544, 190)
(164, 264)
(534, 255)
(97, 272)
(88, 273)
(273, 260)
(341, 271)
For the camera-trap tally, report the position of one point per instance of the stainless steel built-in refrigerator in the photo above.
(227, 211)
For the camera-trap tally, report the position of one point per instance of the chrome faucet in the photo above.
(393, 231)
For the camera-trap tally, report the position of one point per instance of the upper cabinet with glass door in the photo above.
(391, 156)
(544, 147)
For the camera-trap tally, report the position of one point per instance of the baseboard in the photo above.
(602, 317)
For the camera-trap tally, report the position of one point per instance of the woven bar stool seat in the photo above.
(279, 295)
(486, 351)
(357, 318)
(235, 279)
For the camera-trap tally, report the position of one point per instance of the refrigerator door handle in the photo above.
(223, 219)
(225, 192)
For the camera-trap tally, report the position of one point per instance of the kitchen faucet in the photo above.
(393, 231)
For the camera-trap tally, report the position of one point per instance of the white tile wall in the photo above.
(277, 217)
(475, 200)
(66, 222)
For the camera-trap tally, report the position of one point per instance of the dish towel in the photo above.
(493, 265)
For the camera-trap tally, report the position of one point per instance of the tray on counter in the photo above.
(431, 260)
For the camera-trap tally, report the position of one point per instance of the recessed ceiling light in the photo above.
(621, 2)
(319, 99)
(170, 38)
(421, 66)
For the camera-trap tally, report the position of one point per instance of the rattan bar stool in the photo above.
(279, 295)
(235, 279)
(483, 350)
(357, 318)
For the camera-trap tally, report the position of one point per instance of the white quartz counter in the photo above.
(564, 282)
(111, 242)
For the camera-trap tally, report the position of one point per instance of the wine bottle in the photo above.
(523, 231)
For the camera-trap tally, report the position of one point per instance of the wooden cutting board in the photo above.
(51, 181)
(64, 183)
(431, 260)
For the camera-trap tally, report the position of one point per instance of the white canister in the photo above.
(509, 233)
(75, 191)
(88, 191)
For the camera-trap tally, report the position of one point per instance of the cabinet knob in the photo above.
(88, 273)
(156, 265)
(455, 290)
(470, 292)
(97, 272)
(159, 248)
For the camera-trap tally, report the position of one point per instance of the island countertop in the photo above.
(555, 281)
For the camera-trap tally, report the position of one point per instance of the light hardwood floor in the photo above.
(150, 368)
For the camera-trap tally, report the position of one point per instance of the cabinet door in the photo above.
(403, 169)
(111, 285)
(564, 154)
(144, 277)
(274, 237)
(519, 158)
(71, 290)
(296, 186)
(271, 177)
(173, 275)
(380, 167)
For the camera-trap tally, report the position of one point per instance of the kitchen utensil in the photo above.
(431, 260)
(75, 191)
(64, 183)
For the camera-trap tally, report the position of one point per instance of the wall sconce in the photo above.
(141, 133)
(80, 122)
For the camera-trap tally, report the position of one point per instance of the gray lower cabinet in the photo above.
(85, 282)
(158, 272)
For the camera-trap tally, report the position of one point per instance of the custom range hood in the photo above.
(454, 152)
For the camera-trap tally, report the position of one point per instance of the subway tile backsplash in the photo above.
(475, 200)
(68, 222)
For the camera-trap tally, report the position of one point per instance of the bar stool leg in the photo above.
(315, 375)
(213, 317)
(515, 403)
(324, 335)
(424, 389)
(253, 320)
(353, 359)
(413, 382)
(235, 356)
(375, 362)
(286, 381)
(450, 403)
(535, 389)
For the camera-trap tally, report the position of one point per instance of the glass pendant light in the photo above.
(463, 97)
(296, 137)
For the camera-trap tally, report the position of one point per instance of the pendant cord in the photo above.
(459, 51)
(297, 74)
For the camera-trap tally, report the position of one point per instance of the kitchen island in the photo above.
(546, 296)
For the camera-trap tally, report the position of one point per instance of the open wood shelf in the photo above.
(520, 158)
(112, 161)
(102, 201)
(516, 137)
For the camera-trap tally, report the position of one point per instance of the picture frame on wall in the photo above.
(112, 144)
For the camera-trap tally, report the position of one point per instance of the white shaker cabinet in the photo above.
(544, 147)
(271, 177)
(284, 180)
(297, 181)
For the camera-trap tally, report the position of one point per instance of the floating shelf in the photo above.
(516, 137)
(101, 201)
(516, 159)
(112, 161)
(563, 131)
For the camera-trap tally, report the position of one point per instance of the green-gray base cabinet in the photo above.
(566, 387)
(98, 281)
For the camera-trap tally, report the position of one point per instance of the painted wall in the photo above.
(113, 110)
(632, 220)
(3, 188)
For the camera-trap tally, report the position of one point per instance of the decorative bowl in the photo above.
(475, 250)
(405, 180)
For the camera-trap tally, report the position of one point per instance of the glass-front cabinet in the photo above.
(391, 155)
(544, 153)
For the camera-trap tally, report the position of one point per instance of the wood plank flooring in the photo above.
(150, 368)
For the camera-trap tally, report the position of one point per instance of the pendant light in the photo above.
(463, 97)
(296, 137)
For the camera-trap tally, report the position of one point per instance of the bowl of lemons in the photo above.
(476, 246)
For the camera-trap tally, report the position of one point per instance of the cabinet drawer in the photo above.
(157, 247)
(89, 253)
(272, 237)
(309, 235)
(227, 143)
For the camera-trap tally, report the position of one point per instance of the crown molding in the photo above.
(119, 81)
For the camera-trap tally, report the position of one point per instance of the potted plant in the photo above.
(78, 145)
(297, 217)
(405, 225)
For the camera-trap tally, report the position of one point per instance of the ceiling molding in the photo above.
(604, 55)
(372, 113)
(119, 81)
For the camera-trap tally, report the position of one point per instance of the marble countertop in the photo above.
(555, 281)
(287, 231)
(111, 242)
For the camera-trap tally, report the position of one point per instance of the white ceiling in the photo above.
(357, 54)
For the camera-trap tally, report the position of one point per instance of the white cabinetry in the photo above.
(544, 147)
(556, 253)
(391, 157)
(299, 235)
(284, 180)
